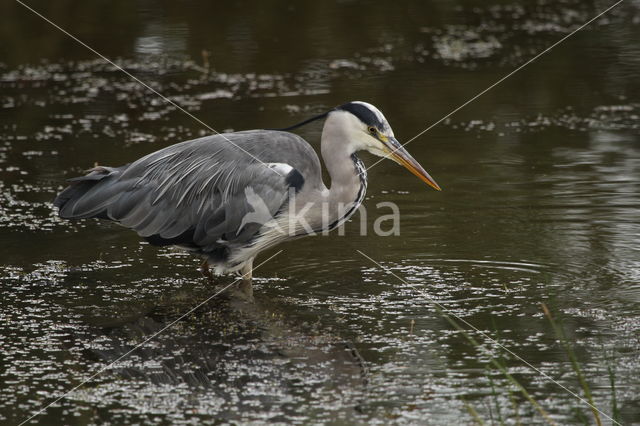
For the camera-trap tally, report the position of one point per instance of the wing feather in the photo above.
(198, 192)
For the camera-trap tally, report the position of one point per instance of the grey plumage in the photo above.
(198, 194)
(191, 194)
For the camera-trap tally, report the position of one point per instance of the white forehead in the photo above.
(373, 109)
(386, 127)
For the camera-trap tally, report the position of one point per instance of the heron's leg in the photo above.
(245, 285)
(205, 271)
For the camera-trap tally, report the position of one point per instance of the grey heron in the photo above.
(227, 197)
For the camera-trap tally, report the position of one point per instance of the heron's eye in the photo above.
(373, 130)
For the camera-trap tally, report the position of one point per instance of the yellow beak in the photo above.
(400, 155)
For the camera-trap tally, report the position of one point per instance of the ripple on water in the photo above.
(292, 358)
(225, 353)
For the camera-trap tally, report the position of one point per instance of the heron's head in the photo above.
(368, 130)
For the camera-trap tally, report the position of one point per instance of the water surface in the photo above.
(540, 205)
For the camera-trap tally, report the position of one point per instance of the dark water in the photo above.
(540, 205)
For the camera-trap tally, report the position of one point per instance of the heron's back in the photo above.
(196, 193)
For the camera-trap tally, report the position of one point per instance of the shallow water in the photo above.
(540, 205)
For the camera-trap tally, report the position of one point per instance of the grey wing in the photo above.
(204, 194)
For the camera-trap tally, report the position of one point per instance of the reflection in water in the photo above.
(204, 359)
(196, 368)
(540, 205)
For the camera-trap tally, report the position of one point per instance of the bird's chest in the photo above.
(350, 208)
(361, 171)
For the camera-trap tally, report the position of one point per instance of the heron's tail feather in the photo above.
(88, 196)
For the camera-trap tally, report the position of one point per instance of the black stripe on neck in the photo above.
(361, 171)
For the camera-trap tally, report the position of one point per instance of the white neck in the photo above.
(328, 208)
(337, 148)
